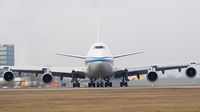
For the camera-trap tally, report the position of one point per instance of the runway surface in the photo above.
(116, 99)
(53, 89)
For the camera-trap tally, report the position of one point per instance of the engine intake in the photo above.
(152, 76)
(47, 78)
(8, 76)
(191, 72)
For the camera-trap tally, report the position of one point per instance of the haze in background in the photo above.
(168, 31)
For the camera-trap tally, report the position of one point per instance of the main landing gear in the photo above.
(124, 81)
(99, 83)
(75, 80)
(108, 83)
(76, 84)
(123, 84)
(91, 83)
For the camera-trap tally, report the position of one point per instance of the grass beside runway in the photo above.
(102, 100)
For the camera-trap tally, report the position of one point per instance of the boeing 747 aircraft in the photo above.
(99, 68)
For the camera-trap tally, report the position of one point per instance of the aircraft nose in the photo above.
(101, 67)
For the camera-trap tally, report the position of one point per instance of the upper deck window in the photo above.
(99, 47)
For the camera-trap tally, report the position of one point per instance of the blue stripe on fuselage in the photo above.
(96, 59)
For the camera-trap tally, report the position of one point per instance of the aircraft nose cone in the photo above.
(101, 68)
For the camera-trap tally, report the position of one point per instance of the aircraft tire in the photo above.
(126, 84)
(74, 85)
(101, 84)
(110, 84)
(98, 84)
(89, 85)
(93, 85)
(78, 84)
(121, 84)
(106, 84)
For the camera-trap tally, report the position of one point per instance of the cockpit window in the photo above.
(99, 47)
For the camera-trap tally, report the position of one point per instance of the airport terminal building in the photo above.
(7, 55)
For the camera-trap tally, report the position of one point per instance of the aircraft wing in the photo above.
(52, 71)
(68, 72)
(145, 70)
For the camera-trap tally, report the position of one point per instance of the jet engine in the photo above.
(47, 78)
(191, 72)
(8, 76)
(152, 76)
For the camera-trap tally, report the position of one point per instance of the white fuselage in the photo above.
(99, 61)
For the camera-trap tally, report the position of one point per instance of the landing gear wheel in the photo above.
(93, 85)
(126, 84)
(89, 85)
(101, 84)
(110, 84)
(98, 84)
(76, 85)
(123, 84)
(106, 84)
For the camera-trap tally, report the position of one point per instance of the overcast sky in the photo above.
(168, 31)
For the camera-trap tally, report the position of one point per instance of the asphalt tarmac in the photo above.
(137, 87)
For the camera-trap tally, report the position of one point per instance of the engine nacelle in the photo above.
(191, 72)
(152, 76)
(8, 76)
(47, 78)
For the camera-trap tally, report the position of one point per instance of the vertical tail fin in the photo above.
(98, 29)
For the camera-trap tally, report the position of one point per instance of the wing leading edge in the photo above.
(47, 72)
(151, 71)
(124, 55)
